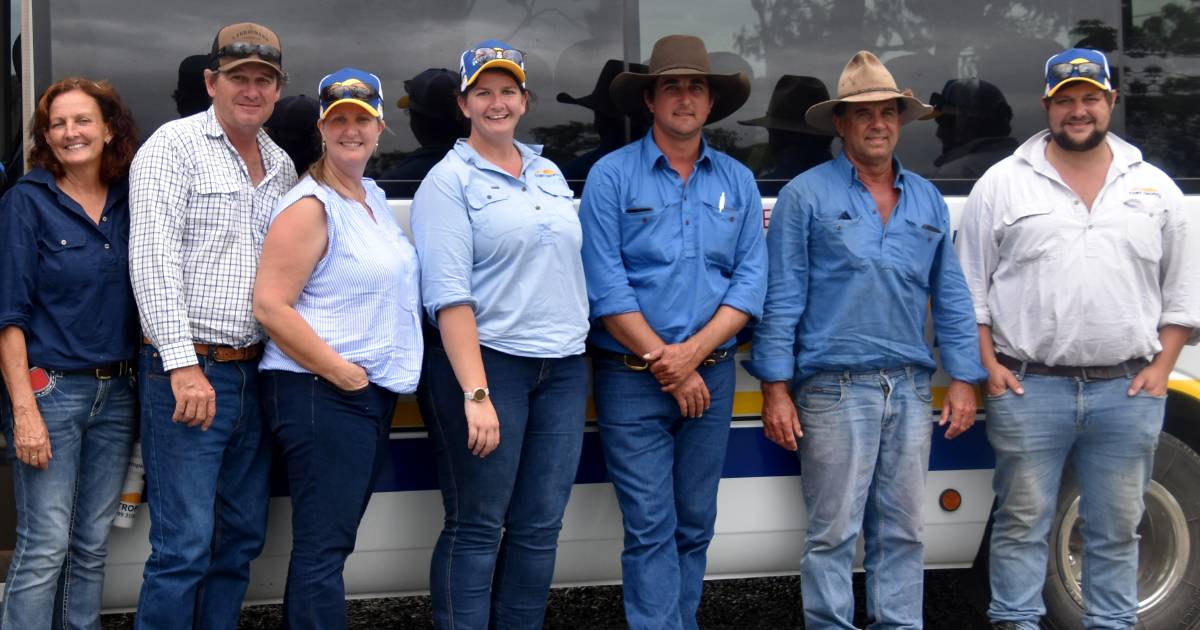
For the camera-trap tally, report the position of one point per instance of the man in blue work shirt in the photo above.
(860, 251)
(675, 262)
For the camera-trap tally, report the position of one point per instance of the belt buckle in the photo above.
(642, 366)
(714, 358)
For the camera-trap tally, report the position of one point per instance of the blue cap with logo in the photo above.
(1077, 64)
(350, 85)
(490, 53)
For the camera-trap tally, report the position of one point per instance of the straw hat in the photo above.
(681, 55)
(865, 80)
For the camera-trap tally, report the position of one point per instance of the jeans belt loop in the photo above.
(1021, 373)
(845, 378)
(101, 377)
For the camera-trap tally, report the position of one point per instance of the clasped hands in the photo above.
(674, 365)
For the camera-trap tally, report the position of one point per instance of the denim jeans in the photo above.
(864, 456)
(64, 512)
(1109, 439)
(335, 443)
(665, 469)
(494, 560)
(208, 494)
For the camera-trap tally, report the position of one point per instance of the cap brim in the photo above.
(502, 64)
(241, 62)
(730, 91)
(353, 101)
(820, 115)
(1067, 80)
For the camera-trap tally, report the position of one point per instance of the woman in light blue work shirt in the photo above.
(504, 384)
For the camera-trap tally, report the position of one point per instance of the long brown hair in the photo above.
(117, 155)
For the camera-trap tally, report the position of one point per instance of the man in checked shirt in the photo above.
(201, 193)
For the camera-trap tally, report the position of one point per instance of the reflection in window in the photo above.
(1162, 81)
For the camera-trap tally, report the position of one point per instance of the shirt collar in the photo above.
(1033, 152)
(652, 155)
(117, 190)
(529, 153)
(846, 168)
(271, 152)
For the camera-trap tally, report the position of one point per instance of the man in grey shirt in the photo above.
(1082, 270)
(201, 193)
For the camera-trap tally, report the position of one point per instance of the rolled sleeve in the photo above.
(954, 318)
(18, 265)
(772, 356)
(977, 249)
(1179, 280)
(609, 292)
(748, 286)
(445, 242)
(159, 183)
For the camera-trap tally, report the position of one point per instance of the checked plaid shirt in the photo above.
(197, 225)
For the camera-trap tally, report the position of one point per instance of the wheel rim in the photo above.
(1163, 551)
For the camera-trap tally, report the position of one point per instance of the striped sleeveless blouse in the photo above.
(363, 297)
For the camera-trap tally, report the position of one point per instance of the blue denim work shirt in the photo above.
(64, 279)
(506, 246)
(848, 292)
(674, 251)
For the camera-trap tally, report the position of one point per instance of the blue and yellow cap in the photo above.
(350, 85)
(1077, 64)
(490, 53)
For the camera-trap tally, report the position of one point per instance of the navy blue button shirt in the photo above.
(674, 251)
(64, 279)
(848, 292)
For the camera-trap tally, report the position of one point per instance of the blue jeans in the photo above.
(665, 469)
(335, 443)
(1109, 440)
(64, 512)
(494, 560)
(864, 456)
(208, 494)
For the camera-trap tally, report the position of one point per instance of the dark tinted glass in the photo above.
(10, 96)
(139, 45)
(1161, 84)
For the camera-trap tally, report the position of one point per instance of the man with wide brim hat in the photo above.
(793, 146)
(681, 55)
(859, 248)
(675, 263)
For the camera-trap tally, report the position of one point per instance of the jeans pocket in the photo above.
(922, 386)
(819, 398)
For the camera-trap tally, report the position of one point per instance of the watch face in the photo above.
(479, 394)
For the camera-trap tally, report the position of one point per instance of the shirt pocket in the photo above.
(214, 202)
(1031, 233)
(1142, 236)
(649, 234)
(919, 244)
(486, 206)
(721, 228)
(558, 210)
(65, 261)
(833, 244)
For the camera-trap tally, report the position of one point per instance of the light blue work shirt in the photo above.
(847, 292)
(506, 246)
(674, 251)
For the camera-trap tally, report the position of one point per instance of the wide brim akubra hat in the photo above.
(681, 55)
(865, 80)
(792, 97)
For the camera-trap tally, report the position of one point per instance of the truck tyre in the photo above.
(1168, 555)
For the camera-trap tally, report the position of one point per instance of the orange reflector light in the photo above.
(950, 500)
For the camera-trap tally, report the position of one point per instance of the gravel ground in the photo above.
(952, 602)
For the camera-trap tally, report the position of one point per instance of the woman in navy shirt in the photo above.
(68, 336)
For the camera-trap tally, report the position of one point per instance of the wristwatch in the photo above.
(476, 395)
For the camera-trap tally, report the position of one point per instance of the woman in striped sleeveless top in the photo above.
(338, 294)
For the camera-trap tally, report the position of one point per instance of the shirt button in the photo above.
(686, 222)
(63, 242)
(103, 218)
(107, 246)
(537, 207)
(1090, 226)
(489, 196)
(523, 189)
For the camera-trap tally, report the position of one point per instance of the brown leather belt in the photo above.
(106, 372)
(638, 364)
(1088, 372)
(222, 354)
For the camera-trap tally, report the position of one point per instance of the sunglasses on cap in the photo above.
(484, 55)
(241, 50)
(1088, 70)
(357, 91)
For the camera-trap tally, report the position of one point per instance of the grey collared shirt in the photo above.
(1061, 285)
(197, 224)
